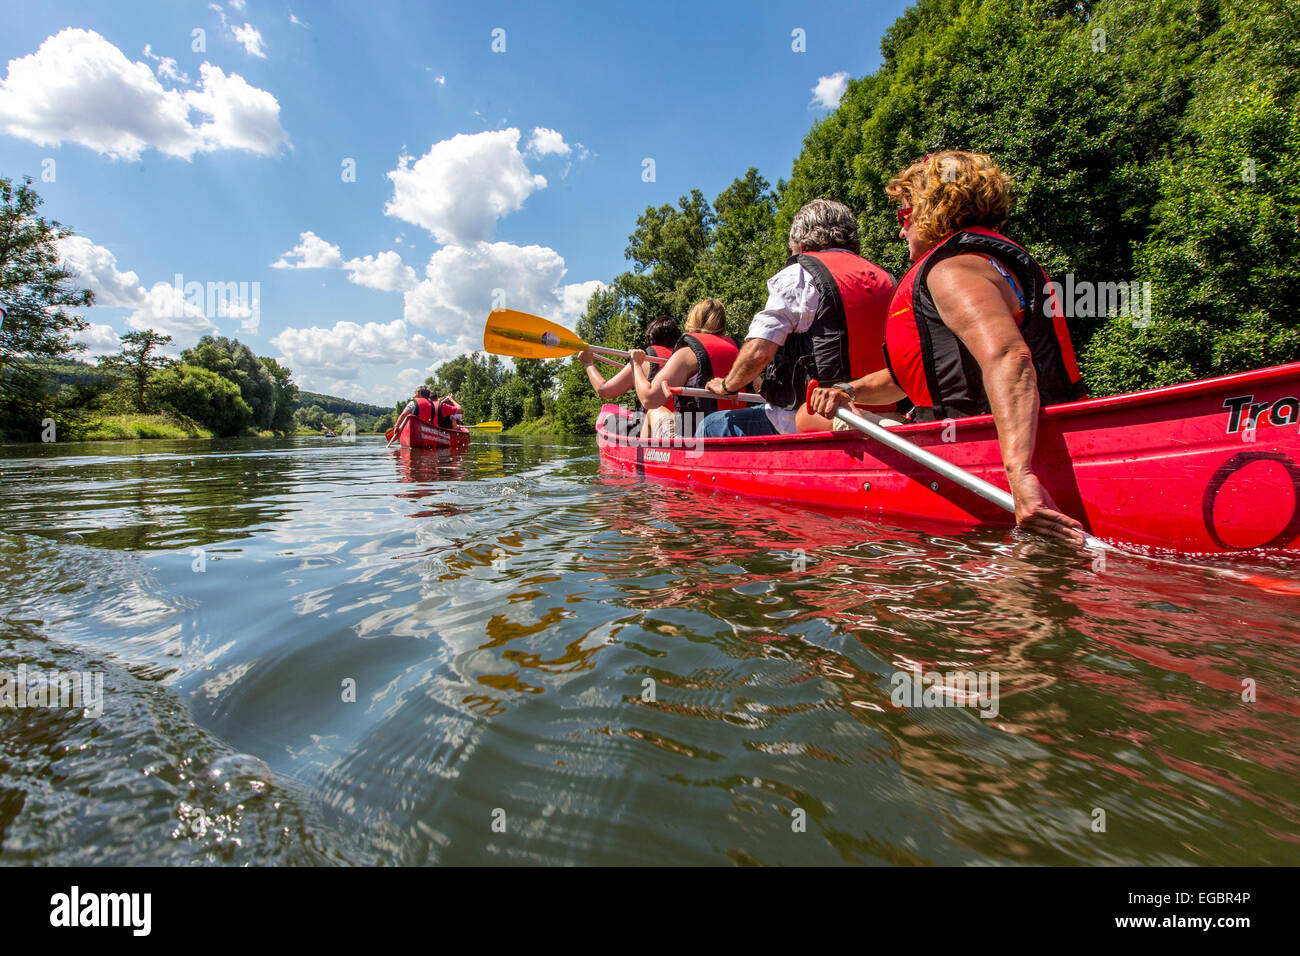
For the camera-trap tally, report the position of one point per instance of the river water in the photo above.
(326, 652)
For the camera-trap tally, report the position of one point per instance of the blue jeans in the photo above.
(735, 423)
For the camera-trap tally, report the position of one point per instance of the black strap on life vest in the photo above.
(699, 407)
(819, 352)
(953, 376)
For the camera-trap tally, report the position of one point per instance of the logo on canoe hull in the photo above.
(1245, 412)
(652, 454)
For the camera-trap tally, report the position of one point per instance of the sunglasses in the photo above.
(904, 216)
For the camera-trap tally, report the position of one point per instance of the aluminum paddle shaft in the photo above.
(936, 464)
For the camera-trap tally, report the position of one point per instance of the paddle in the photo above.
(946, 469)
(520, 335)
(392, 432)
(488, 426)
(705, 393)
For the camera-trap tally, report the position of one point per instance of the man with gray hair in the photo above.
(824, 319)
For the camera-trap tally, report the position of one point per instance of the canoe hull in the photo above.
(1174, 468)
(420, 434)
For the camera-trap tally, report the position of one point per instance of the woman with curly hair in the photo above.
(974, 327)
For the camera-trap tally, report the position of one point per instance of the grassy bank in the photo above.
(534, 426)
(121, 427)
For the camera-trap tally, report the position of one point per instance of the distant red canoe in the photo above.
(1203, 467)
(420, 434)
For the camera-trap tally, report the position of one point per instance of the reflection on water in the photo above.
(412, 641)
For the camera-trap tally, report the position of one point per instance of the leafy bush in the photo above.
(203, 396)
(234, 361)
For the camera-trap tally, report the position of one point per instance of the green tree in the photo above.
(236, 362)
(313, 416)
(1223, 255)
(665, 248)
(202, 395)
(740, 257)
(510, 400)
(36, 289)
(286, 393)
(138, 360)
(539, 377)
(36, 292)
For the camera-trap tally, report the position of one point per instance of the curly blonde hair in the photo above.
(707, 315)
(952, 190)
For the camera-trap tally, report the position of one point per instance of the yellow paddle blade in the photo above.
(521, 335)
(488, 426)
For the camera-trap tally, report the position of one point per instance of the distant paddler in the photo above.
(443, 412)
(974, 326)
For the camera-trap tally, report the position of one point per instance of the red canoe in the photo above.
(417, 433)
(1203, 467)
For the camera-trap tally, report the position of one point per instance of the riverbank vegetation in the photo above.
(125, 427)
(217, 387)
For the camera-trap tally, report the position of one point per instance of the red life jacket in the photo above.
(937, 371)
(844, 340)
(444, 410)
(424, 409)
(659, 351)
(714, 356)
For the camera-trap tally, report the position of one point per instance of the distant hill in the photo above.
(338, 406)
(74, 371)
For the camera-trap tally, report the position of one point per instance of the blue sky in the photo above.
(518, 169)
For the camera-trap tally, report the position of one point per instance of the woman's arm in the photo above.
(971, 298)
(676, 371)
(613, 388)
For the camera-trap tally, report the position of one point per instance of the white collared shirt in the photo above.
(792, 301)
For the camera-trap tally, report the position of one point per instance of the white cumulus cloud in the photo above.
(461, 186)
(166, 310)
(98, 340)
(574, 297)
(251, 39)
(384, 271)
(241, 115)
(829, 90)
(167, 67)
(77, 87)
(96, 270)
(461, 287)
(341, 351)
(311, 252)
(548, 142)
